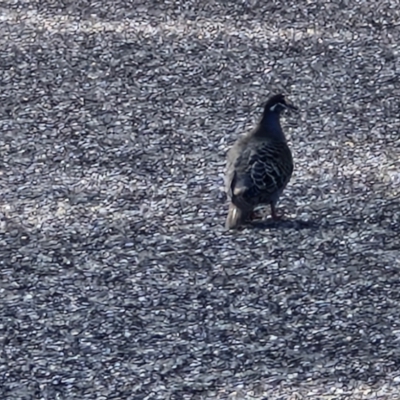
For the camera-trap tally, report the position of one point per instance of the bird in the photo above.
(259, 165)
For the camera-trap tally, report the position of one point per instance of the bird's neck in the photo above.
(270, 124)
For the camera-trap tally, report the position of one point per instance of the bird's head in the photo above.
(276, 104)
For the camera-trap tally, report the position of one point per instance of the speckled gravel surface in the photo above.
(118, 280)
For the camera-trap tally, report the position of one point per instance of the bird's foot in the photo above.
(256, 215)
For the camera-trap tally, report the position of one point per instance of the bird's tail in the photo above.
(235, 218)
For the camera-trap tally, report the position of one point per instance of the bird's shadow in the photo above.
(296, 224)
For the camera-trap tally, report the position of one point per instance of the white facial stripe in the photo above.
(277, 104)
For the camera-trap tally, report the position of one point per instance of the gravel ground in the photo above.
(118, 279)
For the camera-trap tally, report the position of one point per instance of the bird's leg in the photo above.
(274, 215)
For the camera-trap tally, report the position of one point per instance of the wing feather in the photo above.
(260, 173)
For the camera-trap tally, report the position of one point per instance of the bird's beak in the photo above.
(291, 106)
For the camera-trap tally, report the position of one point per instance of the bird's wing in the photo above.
(261, 171)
